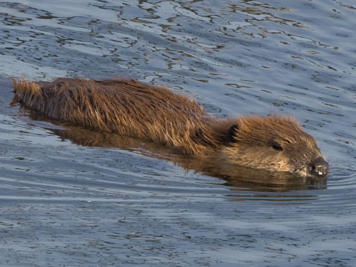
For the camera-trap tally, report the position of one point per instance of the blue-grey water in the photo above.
(66, 204)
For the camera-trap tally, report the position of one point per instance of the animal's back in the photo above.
(126, 107)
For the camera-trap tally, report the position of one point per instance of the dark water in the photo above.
(64, 204)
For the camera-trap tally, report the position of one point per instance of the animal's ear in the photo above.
(232, 133)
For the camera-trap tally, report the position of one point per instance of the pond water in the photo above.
(63, 203)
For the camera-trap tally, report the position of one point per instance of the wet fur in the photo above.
(131, 108)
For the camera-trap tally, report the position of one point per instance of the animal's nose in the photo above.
(318, 167)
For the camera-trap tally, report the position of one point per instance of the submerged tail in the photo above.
(68, 100)
(28, 93)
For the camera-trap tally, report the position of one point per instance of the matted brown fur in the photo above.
(131, 108)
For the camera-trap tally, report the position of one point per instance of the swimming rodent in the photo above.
(156, 114)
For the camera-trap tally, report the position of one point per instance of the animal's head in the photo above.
(276, 144)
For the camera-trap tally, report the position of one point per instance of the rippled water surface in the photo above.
(67, 203)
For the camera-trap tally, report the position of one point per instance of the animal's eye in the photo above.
(277, 146)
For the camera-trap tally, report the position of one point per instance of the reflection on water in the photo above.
(65, 204)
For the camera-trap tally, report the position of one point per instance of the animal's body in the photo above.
(131, 108)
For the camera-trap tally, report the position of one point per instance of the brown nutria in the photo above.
(131, 108)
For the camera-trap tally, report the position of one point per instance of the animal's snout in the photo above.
(319, 167)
